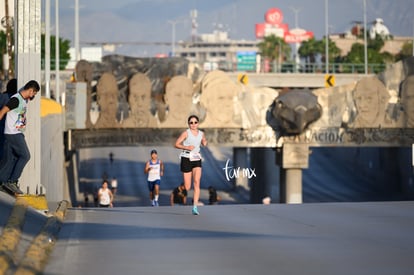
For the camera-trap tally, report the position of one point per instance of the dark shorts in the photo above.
(151, 184)
(187, 165)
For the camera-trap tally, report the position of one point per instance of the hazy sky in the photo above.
(148, 20)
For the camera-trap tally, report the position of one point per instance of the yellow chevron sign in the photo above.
(329, 80)
(243, 78)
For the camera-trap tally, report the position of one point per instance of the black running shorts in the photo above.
(187, 165)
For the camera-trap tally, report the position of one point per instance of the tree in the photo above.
(405, 52)
(309, 50)
(4, 51)
(333, 51)
(374, 56)
(64, 56)
(274, 49)
(3, 47)
(64, 46)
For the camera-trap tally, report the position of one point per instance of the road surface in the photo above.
(326, 238)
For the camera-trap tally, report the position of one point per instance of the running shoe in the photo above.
(153, 203)
(156, 203)
(195, 211)
(12, 187)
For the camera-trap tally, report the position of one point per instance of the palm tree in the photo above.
(309, 50)
(274, 49)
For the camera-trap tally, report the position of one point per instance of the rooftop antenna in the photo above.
(194, 25)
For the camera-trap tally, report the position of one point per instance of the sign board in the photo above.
(264, 30)
(246, 61)
(274, 16)
(297, 36)
(329, 80)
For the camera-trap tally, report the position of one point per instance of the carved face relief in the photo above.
(407, 101)
(370, 98)
(139, 99)
(178, 96)
(367, 104)
(220, 106)
(107, 92)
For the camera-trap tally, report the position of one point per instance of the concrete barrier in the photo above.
(36, 255)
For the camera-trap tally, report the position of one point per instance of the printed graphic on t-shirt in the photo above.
(20, 123)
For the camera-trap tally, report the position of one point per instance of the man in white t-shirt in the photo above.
(16, 110)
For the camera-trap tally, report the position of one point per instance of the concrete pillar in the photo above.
(266, 178)
(293, 186)
(27, 59)
(295, 157)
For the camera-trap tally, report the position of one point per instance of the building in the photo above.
(218, 51)
(393, 46)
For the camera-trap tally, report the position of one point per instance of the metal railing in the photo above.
(285, 67)
(289, 67)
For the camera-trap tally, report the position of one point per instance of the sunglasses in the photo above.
(193, 122)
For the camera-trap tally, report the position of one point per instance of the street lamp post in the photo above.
(57, 52)
(297, 60)
(173, 23)
(47, 49)
(326, 38)
(365, 38)
(77, 52)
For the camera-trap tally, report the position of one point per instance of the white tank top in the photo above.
(154, 172)
(192, 140)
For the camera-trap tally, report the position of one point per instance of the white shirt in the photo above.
(155, 172)
(16, 118)
(105, 199)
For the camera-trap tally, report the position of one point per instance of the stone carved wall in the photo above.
(375, 111)
(162, 93)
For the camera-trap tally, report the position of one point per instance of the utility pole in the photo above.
(297, 59)
(194, 25)
(326, 38)
(57, 53)
(47, 49)
(365, 38)
(77, 50)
